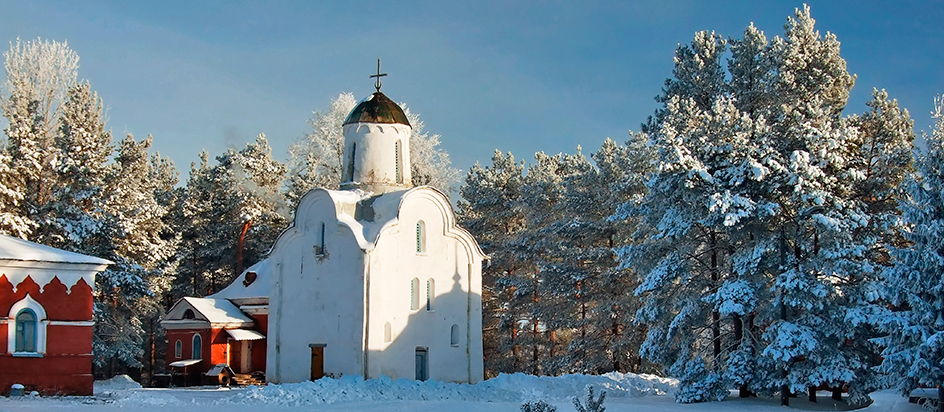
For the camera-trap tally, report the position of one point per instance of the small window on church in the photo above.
(399, 162)
(430, 293)
(350, 164)
(454, 335)
(420, 237)
(188, 314)
(415, 294)
(387, 333)
(178, 349)
(319, 248)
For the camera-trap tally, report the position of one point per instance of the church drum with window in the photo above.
(46, 318)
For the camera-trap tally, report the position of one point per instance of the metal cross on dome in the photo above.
(378, 76)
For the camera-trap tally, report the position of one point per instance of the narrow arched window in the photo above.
(26, 331)
(320, 246)
(197, 347)
(188, 314)
(430, 293)
(420, 237)
(415, 294)
(388, 335)
(399, 162)
(178, 349)
(454, 335)
(350, 164)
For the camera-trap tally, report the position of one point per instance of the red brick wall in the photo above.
(59, 302)
(66, 367)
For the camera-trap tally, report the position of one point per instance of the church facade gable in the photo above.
(317, 293)
(425, 295)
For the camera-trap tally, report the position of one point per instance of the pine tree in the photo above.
(39, 75)
(228, 216)
(490, 210)
(74, 213)
(134, 235)
(913, 285)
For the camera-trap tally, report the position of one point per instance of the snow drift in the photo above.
(509, 388)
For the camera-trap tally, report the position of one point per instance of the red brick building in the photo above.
(225, 328)
(46, 318)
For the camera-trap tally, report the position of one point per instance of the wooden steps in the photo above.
(246, 379)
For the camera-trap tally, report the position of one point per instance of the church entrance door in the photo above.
(317, 360)
(422, 364)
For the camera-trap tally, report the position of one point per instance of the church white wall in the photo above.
(315, 299)
(375, 162)
(447, 260)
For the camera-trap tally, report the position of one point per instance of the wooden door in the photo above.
(317, 362)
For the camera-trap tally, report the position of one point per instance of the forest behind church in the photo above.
(751, 234)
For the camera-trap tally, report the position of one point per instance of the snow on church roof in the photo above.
(384, 210)
(12, 248)
(247, 286)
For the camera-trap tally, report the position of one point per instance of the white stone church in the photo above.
(376, 278)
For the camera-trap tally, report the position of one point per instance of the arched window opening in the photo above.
(430, 293)
(388, 335)
(454, 335)
(320, 246)
(415, 294)
(350, 164)
(197, 347)
(178, 349)
(188, 314)
(399, 162)
(420, 237)
(26, 331)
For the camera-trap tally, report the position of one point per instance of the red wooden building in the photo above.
(46, 318)
(227, 328)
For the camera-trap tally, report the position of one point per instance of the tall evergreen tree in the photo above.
(490, 210)
(229, 215)
(39, 75)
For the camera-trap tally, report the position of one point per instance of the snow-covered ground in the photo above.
(625, 392)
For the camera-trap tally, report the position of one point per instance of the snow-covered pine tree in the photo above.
(229, 215)
(701, 204)
(316, 160)
(75, 211)
(136, 237)
(588, 298)
(547, 295)
(914, 285)
(39, 75)
(490, 210)
(11, 194)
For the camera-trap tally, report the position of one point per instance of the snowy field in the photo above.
(625, 392)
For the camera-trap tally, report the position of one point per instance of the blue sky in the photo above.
(516, 76)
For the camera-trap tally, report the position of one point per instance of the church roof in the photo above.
(377, 108)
